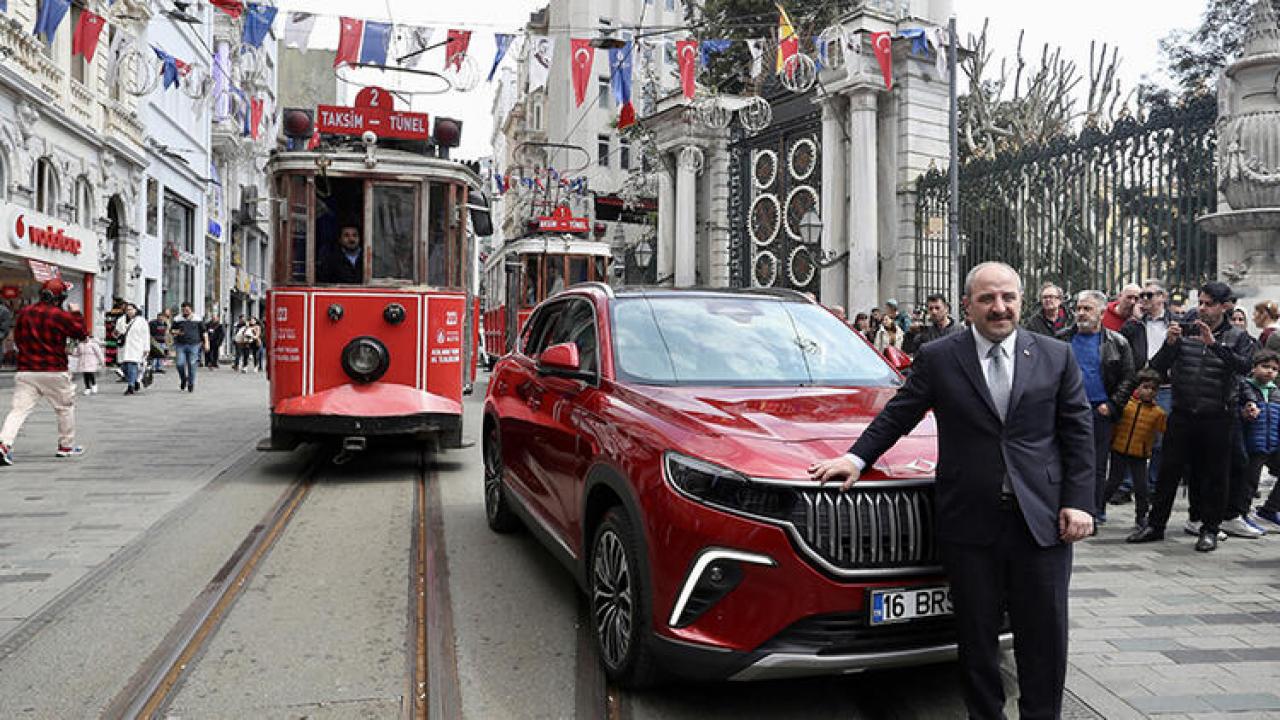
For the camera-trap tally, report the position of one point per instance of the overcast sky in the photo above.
(1135, 26)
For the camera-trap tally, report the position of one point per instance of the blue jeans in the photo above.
(130, 374)
(188, 359)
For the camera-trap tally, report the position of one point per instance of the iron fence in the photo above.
(1090, 212)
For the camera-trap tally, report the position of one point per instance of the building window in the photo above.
(46, 186)
(79, 68)
(114, 90)
(153, 206)
(602, 87)
(537, 114)
(624, 154)
(4, 178)
(602, 150)
(669, 53)
(179, 252)
(84, 202)
(671, 4)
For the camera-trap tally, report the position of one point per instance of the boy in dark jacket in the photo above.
(1260, 408)
(1131, 442)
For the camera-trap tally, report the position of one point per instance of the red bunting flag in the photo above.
(349, 41)
(234, 8)
(627, 116)
(255, 116)
(883, 44)
(85, 40)
(581, 61)
(456, 49)
(687, 56)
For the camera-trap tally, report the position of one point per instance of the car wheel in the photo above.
(496, 510)
(619, 604)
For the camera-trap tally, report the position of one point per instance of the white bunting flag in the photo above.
(541, 50)
(412, 41)
(941, 46)
(297, 29)
(757, 56)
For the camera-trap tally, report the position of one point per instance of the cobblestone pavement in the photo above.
(1157, 630)
(60, 518)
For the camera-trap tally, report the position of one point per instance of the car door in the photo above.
(518, 395)
(561, 453)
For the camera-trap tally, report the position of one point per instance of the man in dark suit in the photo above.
(1014, 486)
(344, 263)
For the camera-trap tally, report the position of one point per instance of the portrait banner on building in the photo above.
(541, 50)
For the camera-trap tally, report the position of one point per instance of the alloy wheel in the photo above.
(611, 598)
(492, 475)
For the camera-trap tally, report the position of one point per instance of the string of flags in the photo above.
(540, 180)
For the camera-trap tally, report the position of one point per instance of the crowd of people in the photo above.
(56, 346)
(1180, 391)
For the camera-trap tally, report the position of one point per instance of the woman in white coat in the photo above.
(135, 342)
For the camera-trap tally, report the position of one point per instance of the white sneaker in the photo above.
(88, 391)
(1237, 527)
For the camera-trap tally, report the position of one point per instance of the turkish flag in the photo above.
(687, 56)
(349, 41)
(456, 48)
(85, 40)
(883, 44)
(582, 59)
(231, 7)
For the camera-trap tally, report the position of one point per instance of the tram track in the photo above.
(431, 687)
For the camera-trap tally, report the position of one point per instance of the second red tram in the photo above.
(372, 317)
(526, 271)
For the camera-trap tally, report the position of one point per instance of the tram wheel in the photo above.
(497, 511)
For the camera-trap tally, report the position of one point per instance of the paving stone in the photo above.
(1156, 644)
(1262, 654)
(1170, 704)
(1167, 620)
(1187, 657)
(1241, 702)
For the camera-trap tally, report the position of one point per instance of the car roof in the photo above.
(650, 291)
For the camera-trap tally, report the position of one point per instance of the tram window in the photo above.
(555, 274)
(393, 246)
(598, 266)
(530, 280)
(297, 228)
(578, 270)
(339, 213)
(438, 237)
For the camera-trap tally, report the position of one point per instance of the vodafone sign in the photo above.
(23, 232)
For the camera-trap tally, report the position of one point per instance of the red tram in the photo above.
(372, 317)
(528, 270)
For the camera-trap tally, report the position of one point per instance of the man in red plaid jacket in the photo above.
(41, 333)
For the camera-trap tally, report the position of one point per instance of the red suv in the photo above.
(657, 442)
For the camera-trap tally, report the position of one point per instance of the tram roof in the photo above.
(549, 245)
(389, 161)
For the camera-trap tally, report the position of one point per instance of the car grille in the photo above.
(869, 528)
(848, 633)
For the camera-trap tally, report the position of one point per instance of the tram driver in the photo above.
(344, 262)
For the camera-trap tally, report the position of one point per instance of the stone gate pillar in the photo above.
(834, 206)
(689, 164)
(864, 219)
(665, 255)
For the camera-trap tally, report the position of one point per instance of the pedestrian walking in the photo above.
(1106, 362)
(260, 347)
(1203, 360)
(1123, 308)
(1141, 422)
(159, 328)
(110, 344)
(87, 358)
(889, 335)
(1015, 484)
(190, 341)
(1052, 318)
(938, 323)
(41, 332)
(1260, 413)
(135, 346)
(217, 333)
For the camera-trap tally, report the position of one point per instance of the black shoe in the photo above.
(1122, 498)
(1208, 542)
(1146, 535)
(129, 391)
(191, 388)
(159, 370)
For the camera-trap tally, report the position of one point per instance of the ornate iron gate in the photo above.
(1091, 212)
(778, 178)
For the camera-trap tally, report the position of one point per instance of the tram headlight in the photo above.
(365, 359)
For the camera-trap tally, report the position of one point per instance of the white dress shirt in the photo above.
(983, 347)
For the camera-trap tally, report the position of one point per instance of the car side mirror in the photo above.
(562, 361)
(898, 359)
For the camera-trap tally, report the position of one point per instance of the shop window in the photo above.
(179, 252)
(153, 206)
(84, 202)
(46, 186)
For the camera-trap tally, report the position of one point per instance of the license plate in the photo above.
(895, 606)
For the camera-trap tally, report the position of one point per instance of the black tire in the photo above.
(497, 510)
(619, 603)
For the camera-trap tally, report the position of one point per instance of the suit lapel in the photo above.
(1025, 356)
(966, 350)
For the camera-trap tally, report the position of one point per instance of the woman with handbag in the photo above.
(134, 338)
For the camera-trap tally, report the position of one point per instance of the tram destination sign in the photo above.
(562, 220)
(342, 120)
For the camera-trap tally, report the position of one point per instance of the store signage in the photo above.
(23, 234)
(43, 271)
(373, 111)
(561, 220)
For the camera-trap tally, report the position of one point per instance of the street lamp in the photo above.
(811, 227)
(643, 253)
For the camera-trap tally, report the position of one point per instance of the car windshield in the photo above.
(747, 341)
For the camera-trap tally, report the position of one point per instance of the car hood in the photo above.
(779, 432)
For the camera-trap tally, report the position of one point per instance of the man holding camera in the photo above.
(1203, 359)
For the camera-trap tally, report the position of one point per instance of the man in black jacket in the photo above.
(1106, 362)
(1052, 318)
(1203, 360)
(938, 324)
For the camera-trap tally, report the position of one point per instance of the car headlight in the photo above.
(365, 359)
(728, 490)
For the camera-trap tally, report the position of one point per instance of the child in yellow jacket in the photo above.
(1131, 442)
